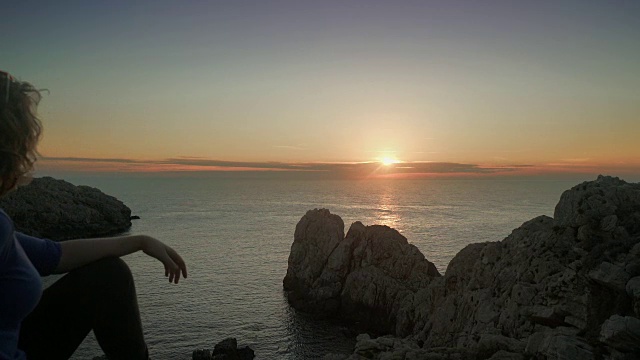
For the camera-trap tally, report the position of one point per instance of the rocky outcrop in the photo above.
(556, 288)
(58, 210)
(370, 276)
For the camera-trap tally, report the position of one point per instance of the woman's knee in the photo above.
(109, 265)
(107, 273)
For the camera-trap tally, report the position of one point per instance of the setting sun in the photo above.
(386, 161)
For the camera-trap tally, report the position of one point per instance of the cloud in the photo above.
(76, 159)
(577, 160)
(342, 169)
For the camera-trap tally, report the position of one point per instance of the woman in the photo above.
(97, 293)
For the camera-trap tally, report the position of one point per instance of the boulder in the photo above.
(59, 210)
(610, 275)
(559, 344)
(593, 202)
(317, 235)
(633, 290)
(622, 333)
(226, 349)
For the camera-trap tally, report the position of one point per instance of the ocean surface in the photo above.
(235, 234)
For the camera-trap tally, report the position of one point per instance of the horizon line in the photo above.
(365, 169)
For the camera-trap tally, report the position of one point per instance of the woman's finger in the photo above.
(174, 270)
(178, 260)
(183, 268)
(176, 273)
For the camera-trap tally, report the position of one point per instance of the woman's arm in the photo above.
(76, 253)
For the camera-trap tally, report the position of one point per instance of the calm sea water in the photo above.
(235, 235)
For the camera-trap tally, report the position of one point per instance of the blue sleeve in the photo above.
(44, 254)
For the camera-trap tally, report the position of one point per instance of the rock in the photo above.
(370, 276)
(622, 333)
(554, 288)
(609, 223)
(58, 210)
(201, 355)
(558, 344)
(226, 345)
(505, 355)
(633, 290)
(635, 250)
(332, 356)
(491, 344)
(226, 349)
(610, 275)
(389, 348)
(385, 272)
(633, 287)
(317, 235)
(593, 200)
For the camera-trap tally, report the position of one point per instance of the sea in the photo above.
(235, 232)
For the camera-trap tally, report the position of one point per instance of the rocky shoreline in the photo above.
(566, 287)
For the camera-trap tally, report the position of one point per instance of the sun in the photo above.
(386, 161)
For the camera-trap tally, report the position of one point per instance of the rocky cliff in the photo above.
(566, 287)
(58, 210)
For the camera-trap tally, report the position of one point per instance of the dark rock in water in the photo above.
(556, 288)
(316, 236)
(225, 346)
(58, 210)
(370, 276)
(134, 217)
(226, 349)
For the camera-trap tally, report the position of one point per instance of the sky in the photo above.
(434, 87)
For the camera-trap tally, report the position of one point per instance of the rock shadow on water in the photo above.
(310, 335)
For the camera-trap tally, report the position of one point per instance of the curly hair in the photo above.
(20, 131)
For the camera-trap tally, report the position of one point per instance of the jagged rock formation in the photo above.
(59, 210)
(561, 288)
(369, 276)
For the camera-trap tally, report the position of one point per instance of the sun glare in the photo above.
(386, 161)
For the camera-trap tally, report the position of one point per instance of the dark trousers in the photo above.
(101, 297)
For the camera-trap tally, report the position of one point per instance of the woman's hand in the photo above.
(173, 263)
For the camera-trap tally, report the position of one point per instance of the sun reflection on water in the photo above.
(387, 211)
